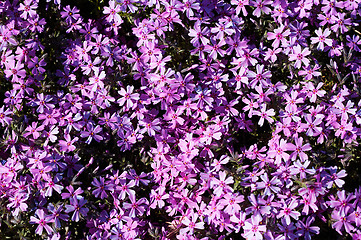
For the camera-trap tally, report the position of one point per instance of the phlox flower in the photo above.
(42, 220)
(261, 7)
(15, 70)
(4, 116)
(112, 12)
(67, 145)
(265, 114)
(300, 56)
(241, 6)
(278, 36)
(342, 221)
(221, 185)
(92, 132)
(77, 206)
(28, 9)
(287, 211)
(191, 223)
(321, 38)
(101, 188)
(137, 208)
(253, 229)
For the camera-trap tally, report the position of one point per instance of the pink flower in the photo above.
(252, 228)
(299, 56)
(67, 145)
(265, 114)
(42, 222)
(321, 38)
(191, 224)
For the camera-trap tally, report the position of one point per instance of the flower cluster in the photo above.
(168, 119)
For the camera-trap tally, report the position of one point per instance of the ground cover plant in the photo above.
(192, 119)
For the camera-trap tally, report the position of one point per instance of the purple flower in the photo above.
(137, 208)
(77, 207)
(42, 220)
(299, 56)
(92, 132)
(253, 228)
(321, 38)
(101, 188)
(15, 70)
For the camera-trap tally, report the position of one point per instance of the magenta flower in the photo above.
(343, 222)
(112, 12)
(28, 9)
(4, 116)
(137, 208)
(101, 188)
(191, 223)
(34, 130)
(299, 149)
(221, 185)
(261, 7)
